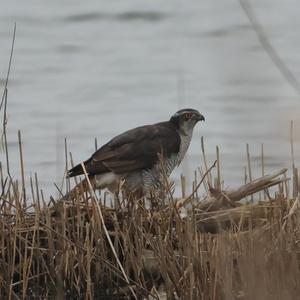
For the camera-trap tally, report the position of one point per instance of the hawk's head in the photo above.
(186, 119)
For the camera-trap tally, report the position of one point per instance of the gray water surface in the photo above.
(86, 69)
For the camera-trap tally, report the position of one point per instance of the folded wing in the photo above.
(134, 150)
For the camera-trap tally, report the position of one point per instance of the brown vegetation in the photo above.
(209, 247)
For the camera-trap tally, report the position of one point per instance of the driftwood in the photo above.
(220, 209)
(217, 199)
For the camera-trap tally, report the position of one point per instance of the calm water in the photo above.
(86, 69)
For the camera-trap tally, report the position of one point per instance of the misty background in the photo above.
(92, 69)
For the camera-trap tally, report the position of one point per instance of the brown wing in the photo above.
(135, 149)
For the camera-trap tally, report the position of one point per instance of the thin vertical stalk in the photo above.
(249, 167)
(22, 168)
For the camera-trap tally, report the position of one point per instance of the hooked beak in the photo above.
(199, 117)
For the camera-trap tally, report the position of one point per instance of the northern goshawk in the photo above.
(138, 156)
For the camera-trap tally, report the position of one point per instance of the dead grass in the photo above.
(208, 247)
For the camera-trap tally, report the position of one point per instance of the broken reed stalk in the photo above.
(294, 169)
(66, 167)
(22, 167)
(209, 179)
(262, 160)
(218, 168)
(183, 185)
(249, 166)
(263, 167)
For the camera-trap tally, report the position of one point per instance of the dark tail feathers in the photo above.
(77, 170)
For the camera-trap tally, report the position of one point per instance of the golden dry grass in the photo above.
(216, 248)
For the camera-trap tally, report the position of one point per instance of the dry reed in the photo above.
(199, 247)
